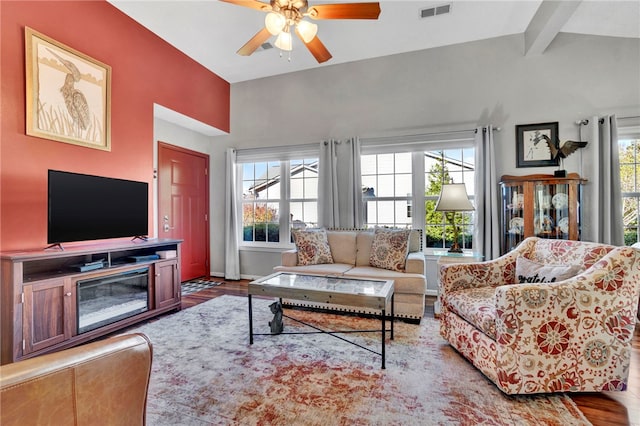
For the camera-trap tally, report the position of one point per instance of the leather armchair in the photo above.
(104, 382)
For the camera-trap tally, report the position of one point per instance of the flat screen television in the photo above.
(85, 207)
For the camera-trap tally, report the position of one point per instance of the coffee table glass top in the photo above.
(332, 284)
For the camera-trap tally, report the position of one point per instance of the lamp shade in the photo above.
(284, 41)
(307, 30)
(454, 198)
(274, 22)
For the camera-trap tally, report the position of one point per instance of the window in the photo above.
(386, 192)
(629, 150)
(278, 195)
(448, 166)
(388, 180)
(303, 199)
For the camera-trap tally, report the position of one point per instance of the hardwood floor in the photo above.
(601, 409)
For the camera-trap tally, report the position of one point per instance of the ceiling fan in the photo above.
(284, 14)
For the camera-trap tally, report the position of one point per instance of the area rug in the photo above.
(196, 285)
(206, 373)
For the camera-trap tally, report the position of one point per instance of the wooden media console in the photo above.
(49, 296)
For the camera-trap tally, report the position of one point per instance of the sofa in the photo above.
(100, 383)
(549, 316)
(351, 256)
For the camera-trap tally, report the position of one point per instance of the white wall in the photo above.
(449, 88)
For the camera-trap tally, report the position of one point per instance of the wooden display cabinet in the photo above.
(49, 303)
(540, 205)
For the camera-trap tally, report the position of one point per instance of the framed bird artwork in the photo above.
(68, 94)
(531, 149)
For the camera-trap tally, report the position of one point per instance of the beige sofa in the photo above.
(351, 249)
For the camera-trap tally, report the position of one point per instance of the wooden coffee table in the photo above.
(372, 294)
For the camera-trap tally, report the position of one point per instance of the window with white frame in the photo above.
(386, 189)
(440, 167)
(400, 189)
(277, 195)
(629, 151)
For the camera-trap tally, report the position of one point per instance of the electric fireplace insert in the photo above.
(108, 299)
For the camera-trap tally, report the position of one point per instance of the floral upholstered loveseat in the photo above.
(570, 335)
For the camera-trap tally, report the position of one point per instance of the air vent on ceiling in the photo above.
(264, 46)
(434, 11)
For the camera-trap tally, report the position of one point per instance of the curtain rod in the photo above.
(585, 121)
(497, 129)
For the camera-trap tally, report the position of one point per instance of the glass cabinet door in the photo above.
(560, 204)
(513, 208)
(551, 211)
(544, 206)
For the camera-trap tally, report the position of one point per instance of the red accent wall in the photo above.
(145, 70)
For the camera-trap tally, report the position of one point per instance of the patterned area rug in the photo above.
(205, 372)
(200, 284)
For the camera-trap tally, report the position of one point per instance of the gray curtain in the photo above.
(328, 205)
(602, 211)
(340, 184)
(351, 214)
(232, 255)
(486, 239)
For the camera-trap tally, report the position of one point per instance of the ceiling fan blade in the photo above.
(317, 49)
(253, 4)
(345, 11)
(255, 42)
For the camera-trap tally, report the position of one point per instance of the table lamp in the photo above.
(453, 198)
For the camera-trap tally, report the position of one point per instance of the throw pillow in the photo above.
(312, 246)
(528, 271)
(389, 248)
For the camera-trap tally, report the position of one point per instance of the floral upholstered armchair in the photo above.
(549, 333)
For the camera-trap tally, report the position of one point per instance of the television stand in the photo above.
(42, 291)
(140, 237)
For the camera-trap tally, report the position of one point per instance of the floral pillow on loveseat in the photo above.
(312, 246)
(389, 248)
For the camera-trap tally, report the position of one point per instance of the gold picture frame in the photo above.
(68, 94)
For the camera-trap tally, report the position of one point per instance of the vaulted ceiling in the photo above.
(211, 31)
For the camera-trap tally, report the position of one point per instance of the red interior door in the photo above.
(183, 206)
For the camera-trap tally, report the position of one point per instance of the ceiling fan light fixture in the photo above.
(307, 30)
(274, 23)
(284, 42)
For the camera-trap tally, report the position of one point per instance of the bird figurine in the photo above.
(560, 152)
(557, 151)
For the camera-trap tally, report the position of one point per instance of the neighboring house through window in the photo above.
(402, 178)
(278, 195)
(401, 182)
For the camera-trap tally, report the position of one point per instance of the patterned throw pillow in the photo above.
(389, 248)
(312, 246)
(528, 271)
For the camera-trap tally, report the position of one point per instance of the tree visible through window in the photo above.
(388, 180)
(278, 195)
(261, 201)
(629, 150)
(448, 166)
